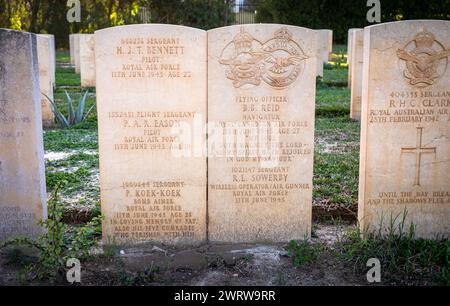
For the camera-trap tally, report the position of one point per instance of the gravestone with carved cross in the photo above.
(405, 139)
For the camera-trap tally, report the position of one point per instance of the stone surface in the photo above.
(349, 54)
(151, 95)
(261, 89)
(357, 47)
(87, 60)
(76, 52)
(44, 46)
(71, 48)
(324, 50)
(326, 44)
(52, 57)
(330, 44)
(22, 177)
(405, 138)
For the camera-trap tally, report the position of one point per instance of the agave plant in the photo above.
(75, 116)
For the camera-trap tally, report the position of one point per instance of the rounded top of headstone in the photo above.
(260, 25)
(147, 25)
(406, 22)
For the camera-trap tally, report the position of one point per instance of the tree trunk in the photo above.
(34, 15)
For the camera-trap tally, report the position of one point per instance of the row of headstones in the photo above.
(46, 53)
(82, 57)
(82, 54)
(255, 84)
(355, 55)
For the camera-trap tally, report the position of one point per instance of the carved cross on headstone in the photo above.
(419, 149)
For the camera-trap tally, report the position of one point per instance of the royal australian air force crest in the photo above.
(423, 60)
(277, 62)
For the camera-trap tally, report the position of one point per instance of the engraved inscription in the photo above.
(3, 104)
(15, 221)
(150, 130)
(12, 121)
(421, 106)
(152, 210)
(151, 58)
(410, 197)
(248, 146)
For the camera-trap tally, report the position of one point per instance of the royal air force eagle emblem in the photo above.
(423, 60)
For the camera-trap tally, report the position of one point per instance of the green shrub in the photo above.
(303, 251)
(404, 259)
(57, 245)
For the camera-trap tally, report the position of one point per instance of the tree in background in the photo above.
(49, 16)
(341, 15)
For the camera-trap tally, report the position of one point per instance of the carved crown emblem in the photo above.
(424, 39)
(243, 41)
(283, 33)
(423, 59)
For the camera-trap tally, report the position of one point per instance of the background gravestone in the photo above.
(87, 60)
(71, 49)
(52, 57)
(22, 175)
(356, 74)
(261, 81)
(326, 44)
(151, 81)
(330, 43)
(405, 138)
(44, 46)
(349, 55)
(76, 52)
(324, 48)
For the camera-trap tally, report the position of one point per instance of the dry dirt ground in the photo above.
(210, 264)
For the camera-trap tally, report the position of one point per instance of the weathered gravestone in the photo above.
(87, 60)
(405, 139)
(329, 44)
(151, 83)
(45, 79)
(324, 49)
(261, 93)
(76, 52)
(22, 177)
(52, 57)
(71, 49)
(356, 66)
(349, 54)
